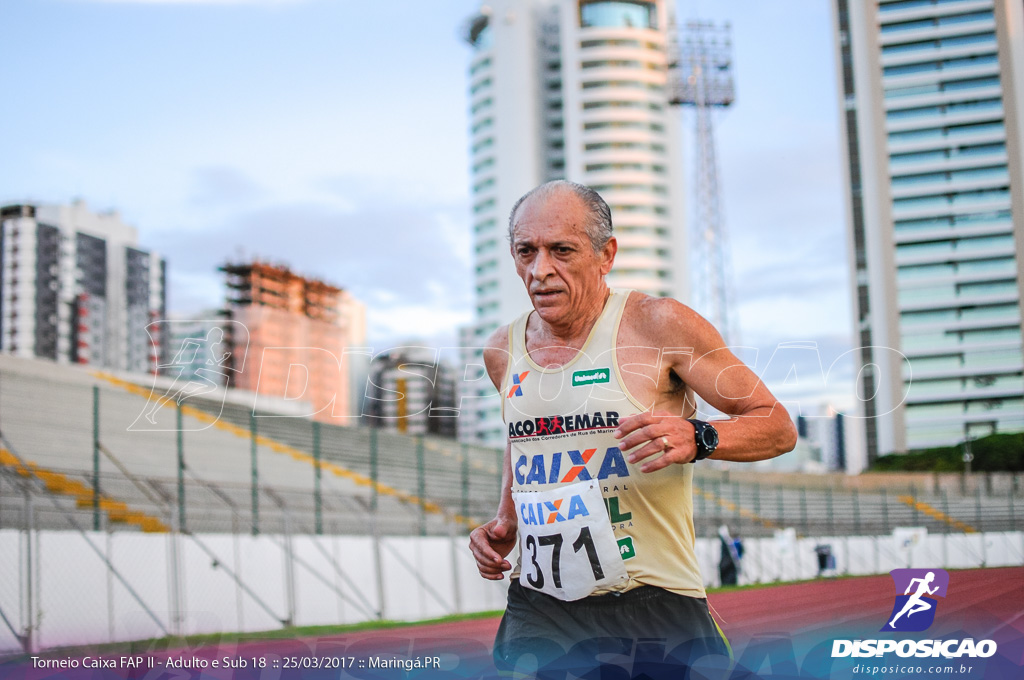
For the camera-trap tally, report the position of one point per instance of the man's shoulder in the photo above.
(498, 340)
(496, 353)
(658, 316)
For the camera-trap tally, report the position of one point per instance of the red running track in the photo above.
(986, 603)
(982, 603)
(975, 597)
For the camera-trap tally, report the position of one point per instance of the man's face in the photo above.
(555, 259)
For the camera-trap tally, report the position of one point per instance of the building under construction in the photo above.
(298, 330)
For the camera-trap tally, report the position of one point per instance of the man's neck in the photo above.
(574, 332)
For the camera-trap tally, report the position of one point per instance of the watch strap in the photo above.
(699, 426)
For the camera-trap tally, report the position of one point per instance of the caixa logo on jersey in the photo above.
(572, 467)
(550, 512)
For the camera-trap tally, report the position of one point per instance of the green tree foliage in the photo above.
(994, 453)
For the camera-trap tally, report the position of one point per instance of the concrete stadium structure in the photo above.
(425, 486)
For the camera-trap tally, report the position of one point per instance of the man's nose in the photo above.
(543, 265)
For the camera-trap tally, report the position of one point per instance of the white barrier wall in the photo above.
(768, 560)
(226, 583)
(219, 583)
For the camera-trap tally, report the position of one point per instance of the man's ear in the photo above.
(608, 255)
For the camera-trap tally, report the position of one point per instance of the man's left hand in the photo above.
(650, 434)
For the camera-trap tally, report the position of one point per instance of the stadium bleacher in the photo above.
(46, 418)
(371, 481)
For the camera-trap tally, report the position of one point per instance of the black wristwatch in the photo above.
(706, 437)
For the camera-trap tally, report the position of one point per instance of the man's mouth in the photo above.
(546, 293)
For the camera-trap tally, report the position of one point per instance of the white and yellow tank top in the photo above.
(560, 422)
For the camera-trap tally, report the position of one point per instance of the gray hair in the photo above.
(598, 224)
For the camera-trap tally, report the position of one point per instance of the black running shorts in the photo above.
(646, 625)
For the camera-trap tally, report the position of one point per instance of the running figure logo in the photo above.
(209, 351)
(914, 610)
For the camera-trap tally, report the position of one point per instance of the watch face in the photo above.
(709, 437)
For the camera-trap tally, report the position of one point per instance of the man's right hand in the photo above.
(490, 544)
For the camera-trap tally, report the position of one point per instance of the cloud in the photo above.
(404, 261)
(785, 221)
(805, 370)
(808, 314)
(783, 193)
(765, 280)
(192, 292)
(194, 2)
(429, 323)
(219, 185)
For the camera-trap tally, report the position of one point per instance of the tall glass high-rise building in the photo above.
(576, 90)
(933, 102)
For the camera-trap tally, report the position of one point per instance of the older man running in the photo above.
(597, 389)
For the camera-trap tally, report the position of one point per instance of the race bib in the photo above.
(567, 546)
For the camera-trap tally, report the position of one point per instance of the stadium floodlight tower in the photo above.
(702, 78)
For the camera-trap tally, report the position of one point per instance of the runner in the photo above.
(597, 391)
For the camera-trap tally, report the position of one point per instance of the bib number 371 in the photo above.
(567, 544)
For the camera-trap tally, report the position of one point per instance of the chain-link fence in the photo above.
(122, 517)
(67, 584)
(204, 516)
(129, 463)
(216, 466)
(750, 508)
(70, 585)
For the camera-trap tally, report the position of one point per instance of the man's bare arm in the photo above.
(760, 427)
(496, 358)
(492, 542)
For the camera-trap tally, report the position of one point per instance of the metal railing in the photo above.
(228, 489)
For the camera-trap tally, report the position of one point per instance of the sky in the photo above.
(332, 136)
